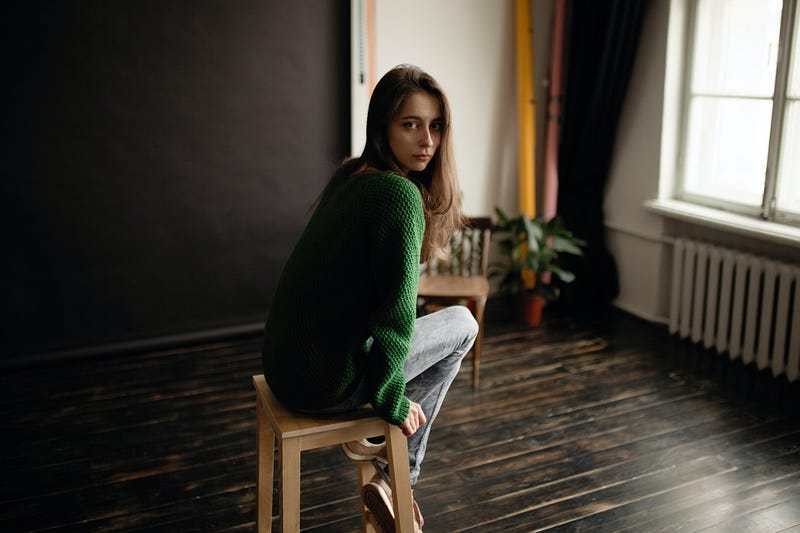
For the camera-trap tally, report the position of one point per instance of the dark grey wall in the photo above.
(159, 160)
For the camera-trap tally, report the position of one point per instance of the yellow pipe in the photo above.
(526, 107)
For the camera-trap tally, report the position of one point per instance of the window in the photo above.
(740, 148)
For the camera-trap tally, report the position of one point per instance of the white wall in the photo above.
(468, 46)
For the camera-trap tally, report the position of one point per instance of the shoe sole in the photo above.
(359, 457)
(378, 503)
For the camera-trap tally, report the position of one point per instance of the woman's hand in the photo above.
(414, 420)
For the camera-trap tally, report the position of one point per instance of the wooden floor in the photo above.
(581, 425)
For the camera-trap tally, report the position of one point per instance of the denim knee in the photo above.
(462, 318)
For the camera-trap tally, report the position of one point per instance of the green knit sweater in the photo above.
(352, 275)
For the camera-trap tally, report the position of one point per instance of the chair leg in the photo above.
(290, 485)
(476, 361)
(480, 306)
(397, 453)
(265, 457)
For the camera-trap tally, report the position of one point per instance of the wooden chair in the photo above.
(463, 275)
(296, 432)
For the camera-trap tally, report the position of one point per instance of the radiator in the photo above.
(737, 303)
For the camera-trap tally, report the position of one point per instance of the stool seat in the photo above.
(296, 432)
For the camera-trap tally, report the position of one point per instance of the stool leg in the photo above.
(397, 453)
(290, 485)
(265, 456)
(365, 473)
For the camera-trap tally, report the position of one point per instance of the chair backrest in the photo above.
(468, 251)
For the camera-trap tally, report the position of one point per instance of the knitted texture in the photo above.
(352, 275)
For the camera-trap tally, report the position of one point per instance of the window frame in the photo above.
(768, 209)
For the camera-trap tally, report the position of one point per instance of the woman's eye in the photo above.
(436, 126)
(409, 124)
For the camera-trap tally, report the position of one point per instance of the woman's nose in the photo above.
(426, 139)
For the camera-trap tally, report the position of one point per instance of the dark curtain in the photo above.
(602, 42)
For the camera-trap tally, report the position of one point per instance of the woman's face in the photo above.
(415, 132)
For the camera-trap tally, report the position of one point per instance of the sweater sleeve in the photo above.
(395, 243)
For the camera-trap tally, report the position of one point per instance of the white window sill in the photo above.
(723, 220)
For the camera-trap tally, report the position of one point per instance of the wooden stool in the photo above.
(296, 432)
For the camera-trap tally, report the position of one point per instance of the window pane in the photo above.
(788, 190)
(736, 47)
(726, 149)
(788, 197)
(794, 69)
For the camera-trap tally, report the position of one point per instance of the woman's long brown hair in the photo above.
(438, 183)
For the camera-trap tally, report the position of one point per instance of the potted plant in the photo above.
(533, 246)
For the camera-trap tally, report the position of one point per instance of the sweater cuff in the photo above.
(402, 410)
(394, 414)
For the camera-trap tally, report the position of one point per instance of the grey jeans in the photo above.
(439, 343)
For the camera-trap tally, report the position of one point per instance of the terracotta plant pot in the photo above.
(529, 309)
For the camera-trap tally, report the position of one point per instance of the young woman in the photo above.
(342, 329)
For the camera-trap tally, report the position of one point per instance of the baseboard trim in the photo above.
(649, 317)
(117, 348)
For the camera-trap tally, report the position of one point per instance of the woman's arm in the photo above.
(394, 252)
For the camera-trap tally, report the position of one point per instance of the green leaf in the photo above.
(501, 215)
(516, 251)
(548, 292)
(533, 233)
(561, 244)
(563, 275)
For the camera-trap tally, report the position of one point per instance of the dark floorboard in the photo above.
(583, 424)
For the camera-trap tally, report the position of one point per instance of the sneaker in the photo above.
(377, 497)
(419, 521)
(364, 450)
